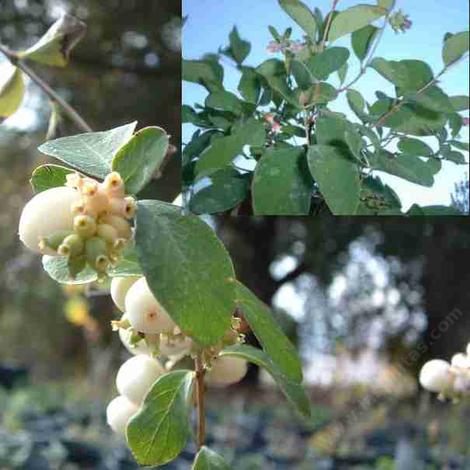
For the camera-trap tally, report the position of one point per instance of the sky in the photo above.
(210, 21)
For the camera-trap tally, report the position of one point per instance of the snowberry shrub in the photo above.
(172, 282)
(277, 148)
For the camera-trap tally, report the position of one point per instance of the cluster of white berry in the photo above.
(85, 220)
(449, 380)
(148, 332)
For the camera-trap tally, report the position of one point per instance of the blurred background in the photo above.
(367, 303)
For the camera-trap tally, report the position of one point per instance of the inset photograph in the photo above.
(326, 107)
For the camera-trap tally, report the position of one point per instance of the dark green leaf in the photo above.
(324, 64)
(455, 123)
(239, 49)
(362, 40)
(353, 19)
(292, 389)
(407, 167)
(49, 176)
(92, 152)
(160, 429)
(228, 189)
(414, 147)
(357, 104)
(282, 183)
(207, 459)
(320, 93)
(452, 155)
(459, 145)
(460, 103)
(249, 86)
(455, 47)
(128, 265)
(416, 210)
(223, 150)
(225, 101)
(187, 268)
(337, 177)
(432, 98)
(301, 14)
(302, 74)
(342, 73)
(275, 343)
(202, 72)
(138, 159)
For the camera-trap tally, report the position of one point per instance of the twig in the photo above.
(397, 106)
(328, 25)
(45, 87)
(201, 419)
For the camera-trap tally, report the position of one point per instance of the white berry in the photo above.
(435, 376)
(119, 288)
(118, 413)
(141, 347)
(46, 213)
(461, 360)
(144, 312)
(226, 370)
(136, 376)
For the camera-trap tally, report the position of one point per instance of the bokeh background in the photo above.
(431, 20)
(364, 301)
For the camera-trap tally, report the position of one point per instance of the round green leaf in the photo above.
(455, 47)
(187, 268)
(415, 147)
(362, 40)
(301, 14)
(324, 64)
(56, 267)
(207, 459)
(138, 159)
(49, 176)
(282, 184)
(160, 429)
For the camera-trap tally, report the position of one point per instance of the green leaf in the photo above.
(357, 104)
(320, 93)
(455, 123)
(415, 147)
(388, 4)
(377, 196)
(239, 49)
(11, 90)
(353, 19)
(362, 40)
(249, 86)
(281, 183)
(128, 265)
(187, 268)
(275, 343)
(56, 267)
(324, 64)
(274, 72)
(207, 459)
(223, 150)
(432, 98)
(160, 429)
(355, 143)
(407, 75)
(227, 190)
(55, 46)
(455, 47)
(292, 389)
(92, 152)
(138, 159)
(342, 73)
(460, 103)
(459, 145)
(407, 167)
(302, 74)
(225, 101)
(337, 177)
(416, 210)
(49, 176)
(301, 14)
(203, 72)
(452, 155)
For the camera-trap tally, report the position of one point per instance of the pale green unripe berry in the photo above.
(84, 225)
(118, 413)
(435, 376)
(144, 312)
(46, 213)
(136, 376)
(119, 288)
(122, 226)
(226, 371)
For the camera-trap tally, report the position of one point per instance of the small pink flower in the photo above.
(276, 127)
(269, 117)
(296, 46)
(274, 47)
(466, 121)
